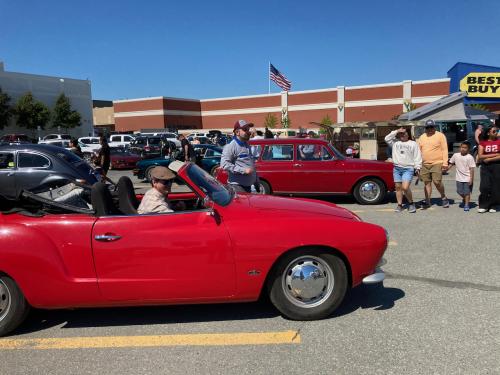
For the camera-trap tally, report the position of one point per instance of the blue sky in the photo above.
(208, 49)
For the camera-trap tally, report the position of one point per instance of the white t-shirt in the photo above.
(463, 163)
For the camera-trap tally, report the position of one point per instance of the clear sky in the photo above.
(208, 49)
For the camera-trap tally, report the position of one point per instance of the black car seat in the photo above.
(102, 201)
(127, 201)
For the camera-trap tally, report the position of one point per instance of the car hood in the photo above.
(309, 206)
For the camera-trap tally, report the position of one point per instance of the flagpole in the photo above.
(269, 78)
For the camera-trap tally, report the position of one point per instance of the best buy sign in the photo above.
(481, 85)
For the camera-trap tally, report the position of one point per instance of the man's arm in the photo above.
(471, 181)
(444, 148)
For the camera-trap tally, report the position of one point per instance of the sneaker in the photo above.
(398, 209)
(462, 205)
(411, 208)
(466, 208)
(492, 210)
(446, 203)
(424, 205)
(482, 210)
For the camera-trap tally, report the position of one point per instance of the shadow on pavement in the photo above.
(129, 316)
(364, 297)
(367, 297)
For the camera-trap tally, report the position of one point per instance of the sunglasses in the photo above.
(165, 182)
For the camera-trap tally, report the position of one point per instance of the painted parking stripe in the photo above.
(218, 339)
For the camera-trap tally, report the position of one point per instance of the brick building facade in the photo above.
(341, 104)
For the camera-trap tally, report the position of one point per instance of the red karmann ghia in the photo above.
(230, 247)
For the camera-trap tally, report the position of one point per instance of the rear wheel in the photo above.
(370, 191)
(308, 284)
(265, 188)
(13, 306)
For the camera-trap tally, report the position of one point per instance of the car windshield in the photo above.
(210, 186)
(338, 155)
(154, 141)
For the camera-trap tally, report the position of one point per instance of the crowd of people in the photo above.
(428, 159)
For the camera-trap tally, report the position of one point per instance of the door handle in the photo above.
(297, 165)
(107, 237)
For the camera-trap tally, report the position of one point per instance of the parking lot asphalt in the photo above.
(436, 313)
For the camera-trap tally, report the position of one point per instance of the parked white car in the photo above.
(57, 142)
(54, 137)
(120, 140)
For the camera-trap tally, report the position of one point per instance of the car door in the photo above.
(32, 168)
(162, 257)
(7, 174)
(276, 167)
(316, 170)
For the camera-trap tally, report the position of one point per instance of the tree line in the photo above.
(32, 114)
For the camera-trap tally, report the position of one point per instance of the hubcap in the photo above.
(308, 281)
(369, 191)
(4, 300)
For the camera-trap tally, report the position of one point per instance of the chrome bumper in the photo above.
(378, 276)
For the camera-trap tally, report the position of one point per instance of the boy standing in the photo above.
(464, 176)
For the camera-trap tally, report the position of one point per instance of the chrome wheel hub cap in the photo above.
(308, 281)
(369, 190)
(4, 300)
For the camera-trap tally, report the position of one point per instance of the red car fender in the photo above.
(256, 250)
(49, 274)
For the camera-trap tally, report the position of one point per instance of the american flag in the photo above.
(278, 78)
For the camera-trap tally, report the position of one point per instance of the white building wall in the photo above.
(46, 89)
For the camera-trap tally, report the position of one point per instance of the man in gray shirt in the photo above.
(237, 159)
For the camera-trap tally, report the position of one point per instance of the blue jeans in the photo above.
(402, 174)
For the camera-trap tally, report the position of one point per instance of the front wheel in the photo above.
(370, 191)
(13, 306)
(265, 188)
(308, 285)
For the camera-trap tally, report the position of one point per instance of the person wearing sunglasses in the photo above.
(489, 157)
(155, 201)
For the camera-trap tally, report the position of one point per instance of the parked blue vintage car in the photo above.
(208, 158)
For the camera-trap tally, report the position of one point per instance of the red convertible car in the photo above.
(224, 247)
(298, 166)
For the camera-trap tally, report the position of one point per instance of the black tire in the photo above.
(147, 173)
(265, 188)
(13, 306)
(370, 191)
(330, 296)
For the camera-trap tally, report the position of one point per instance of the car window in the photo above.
(255, 149)
(313, 152)
(85, 140)
(6, 160)
(52, 136)
(278, 152)
(154, 141)
(114, 138)
(128, 138)
(28, 160)
(66, 136)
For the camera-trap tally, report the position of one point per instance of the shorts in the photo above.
(402, 174)
(463, 188)
(432, 173)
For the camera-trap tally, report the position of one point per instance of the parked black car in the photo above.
(27, 166)
(146, 146)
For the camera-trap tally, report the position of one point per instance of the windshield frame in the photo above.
(222, 195)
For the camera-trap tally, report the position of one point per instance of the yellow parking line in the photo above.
(218, 339)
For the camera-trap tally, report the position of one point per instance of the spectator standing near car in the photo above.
(489, 157)
(187, 150)
(155, 201)
(165, 148)
(464, 175)
(75, 147)
(103, 157)
(407, 160)
(434, 150)
(237, 159)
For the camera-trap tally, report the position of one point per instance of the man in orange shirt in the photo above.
(434, 150)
